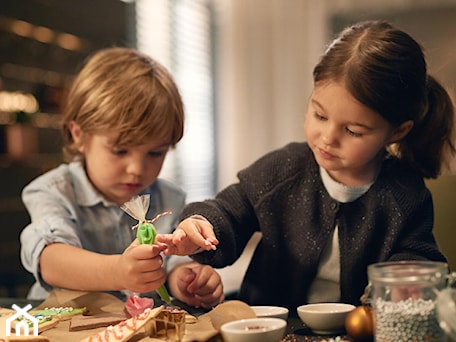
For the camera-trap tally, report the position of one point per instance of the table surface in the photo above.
(296, 331)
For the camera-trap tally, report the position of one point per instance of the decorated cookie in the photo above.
(62, 313)
(44, 322)
(124, 330)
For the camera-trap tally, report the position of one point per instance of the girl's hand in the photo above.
(191, 236)
(197, 285)
(139, 268)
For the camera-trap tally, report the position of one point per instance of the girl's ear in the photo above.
(400, 132)
(76, 134)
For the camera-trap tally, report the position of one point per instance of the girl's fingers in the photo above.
(191, 236)
(201, 233)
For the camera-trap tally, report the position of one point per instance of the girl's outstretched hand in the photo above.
(192, 235)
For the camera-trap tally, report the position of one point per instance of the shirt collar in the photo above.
(86, 193)
(340, 192)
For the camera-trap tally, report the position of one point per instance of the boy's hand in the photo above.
(196, 285)
(191, 236)
(139, 268)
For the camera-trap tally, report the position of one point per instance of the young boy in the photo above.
(123, 113)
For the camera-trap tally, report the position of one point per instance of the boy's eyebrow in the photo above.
(162, 146)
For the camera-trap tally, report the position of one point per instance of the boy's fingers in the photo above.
(134, 243)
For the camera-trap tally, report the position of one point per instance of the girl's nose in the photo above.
(329, 136)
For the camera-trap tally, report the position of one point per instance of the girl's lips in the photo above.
(326, 155)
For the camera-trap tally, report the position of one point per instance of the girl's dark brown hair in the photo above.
(384, 68)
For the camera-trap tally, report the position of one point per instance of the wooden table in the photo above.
(296, 331)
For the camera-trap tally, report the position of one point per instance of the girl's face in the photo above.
(120, 172)
(347, 138)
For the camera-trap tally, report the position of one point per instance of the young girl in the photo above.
(352, 195)
(123, 114)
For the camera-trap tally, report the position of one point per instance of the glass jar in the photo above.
(403, 298)
(446, 311)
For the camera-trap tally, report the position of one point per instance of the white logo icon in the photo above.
(23, 324)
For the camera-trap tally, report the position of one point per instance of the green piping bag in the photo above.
(137, 208)
(146, 235)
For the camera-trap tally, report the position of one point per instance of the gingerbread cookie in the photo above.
(62, 313)
(124, 330)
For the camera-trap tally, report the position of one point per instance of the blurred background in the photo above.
(244, 70)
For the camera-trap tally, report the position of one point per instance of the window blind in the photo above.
(178, 34)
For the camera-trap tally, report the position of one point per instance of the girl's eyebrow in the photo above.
(358, 124)
(316, 103)
(369, 128)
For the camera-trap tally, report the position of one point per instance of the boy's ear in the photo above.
(76, 134)
(400, 132)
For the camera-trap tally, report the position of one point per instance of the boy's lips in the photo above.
(131, 185)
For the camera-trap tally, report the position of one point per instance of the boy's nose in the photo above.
(135, 167)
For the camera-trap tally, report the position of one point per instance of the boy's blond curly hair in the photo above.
(125, 92)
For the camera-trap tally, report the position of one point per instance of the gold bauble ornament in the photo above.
(359, 324)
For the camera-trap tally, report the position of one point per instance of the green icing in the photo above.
(63, 311)
(146, 233)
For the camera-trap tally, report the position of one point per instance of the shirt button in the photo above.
(333, 205)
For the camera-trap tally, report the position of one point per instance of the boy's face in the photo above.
(346, 137)
(121, 172)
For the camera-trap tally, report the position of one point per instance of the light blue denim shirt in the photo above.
(65, 207)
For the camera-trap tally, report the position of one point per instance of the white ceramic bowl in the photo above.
(266, 329)
(270, 311)
(325, 318)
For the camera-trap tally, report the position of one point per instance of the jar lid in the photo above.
(405, 272)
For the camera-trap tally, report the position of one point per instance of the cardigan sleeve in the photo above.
(234, 213)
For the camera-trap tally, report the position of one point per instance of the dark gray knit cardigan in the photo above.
(282, 195)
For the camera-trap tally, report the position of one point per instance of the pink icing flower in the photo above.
(136, 305)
